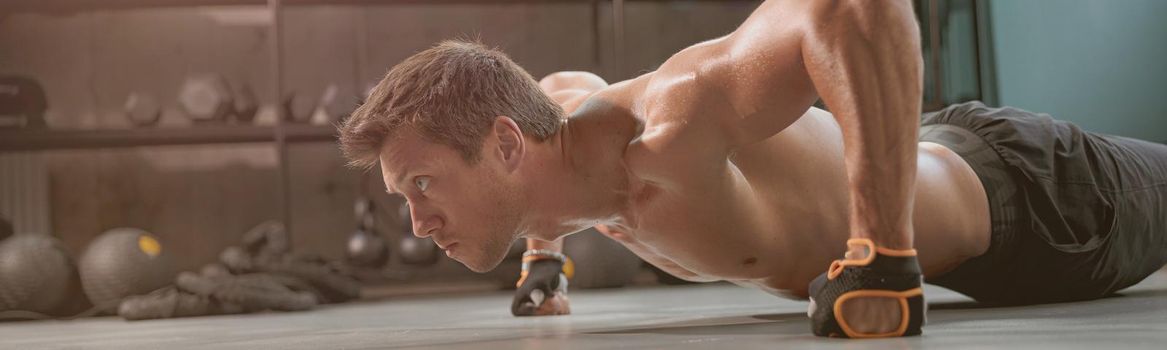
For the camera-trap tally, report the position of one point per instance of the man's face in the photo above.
(470, 210)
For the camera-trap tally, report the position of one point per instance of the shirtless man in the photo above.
(715, 167)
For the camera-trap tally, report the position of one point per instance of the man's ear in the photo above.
(511, 144)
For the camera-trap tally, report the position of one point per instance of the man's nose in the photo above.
(427, 226)
(425, 223)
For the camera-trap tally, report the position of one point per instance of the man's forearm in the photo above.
(864, 59)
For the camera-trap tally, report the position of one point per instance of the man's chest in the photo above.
(748, 200)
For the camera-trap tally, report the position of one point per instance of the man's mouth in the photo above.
(438, 241)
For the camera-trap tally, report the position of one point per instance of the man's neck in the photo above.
(579, 179)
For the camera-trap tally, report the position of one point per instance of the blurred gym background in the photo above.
(196, 120)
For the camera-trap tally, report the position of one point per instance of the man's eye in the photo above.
(422, 182)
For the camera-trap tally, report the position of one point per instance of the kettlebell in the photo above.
(600, 262)
(414, 250)
(365, 247)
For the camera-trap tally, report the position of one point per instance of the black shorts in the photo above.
(1075, 215)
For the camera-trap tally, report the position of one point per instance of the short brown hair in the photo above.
(450, 94)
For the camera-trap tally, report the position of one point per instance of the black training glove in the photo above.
(543, 280)
(881, 273)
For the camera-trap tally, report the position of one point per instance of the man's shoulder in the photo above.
(611, 112)
(672, 150)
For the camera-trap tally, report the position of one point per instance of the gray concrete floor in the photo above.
(683, 317)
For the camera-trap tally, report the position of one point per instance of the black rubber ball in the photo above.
(35, 273)
(123, 262)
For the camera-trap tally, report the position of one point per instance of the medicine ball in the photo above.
(36, 274)
(123, 262)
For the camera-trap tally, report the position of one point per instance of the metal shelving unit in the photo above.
(32, 140)
(95, 5)
(281, 135)
(47, 139)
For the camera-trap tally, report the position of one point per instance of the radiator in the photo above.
(24, 192)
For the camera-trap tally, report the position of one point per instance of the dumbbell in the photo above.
(335, 105)
(142, 110)
(246, 104)
(298, 108)
(206, 98)
(22, 102)
(414, 250)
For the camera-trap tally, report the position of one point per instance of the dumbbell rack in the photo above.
(39, 140)
(284, 133)
(281, 134)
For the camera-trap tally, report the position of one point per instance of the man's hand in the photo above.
(873, 292)
(870, 315)
(542, 291)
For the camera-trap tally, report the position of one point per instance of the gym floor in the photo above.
(697, 316)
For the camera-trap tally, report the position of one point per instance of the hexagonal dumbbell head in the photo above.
(142, 109)
(206, 98)
(336, 103)
(298, 108)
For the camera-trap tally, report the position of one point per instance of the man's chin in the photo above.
(480, 268)
(480, 265)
